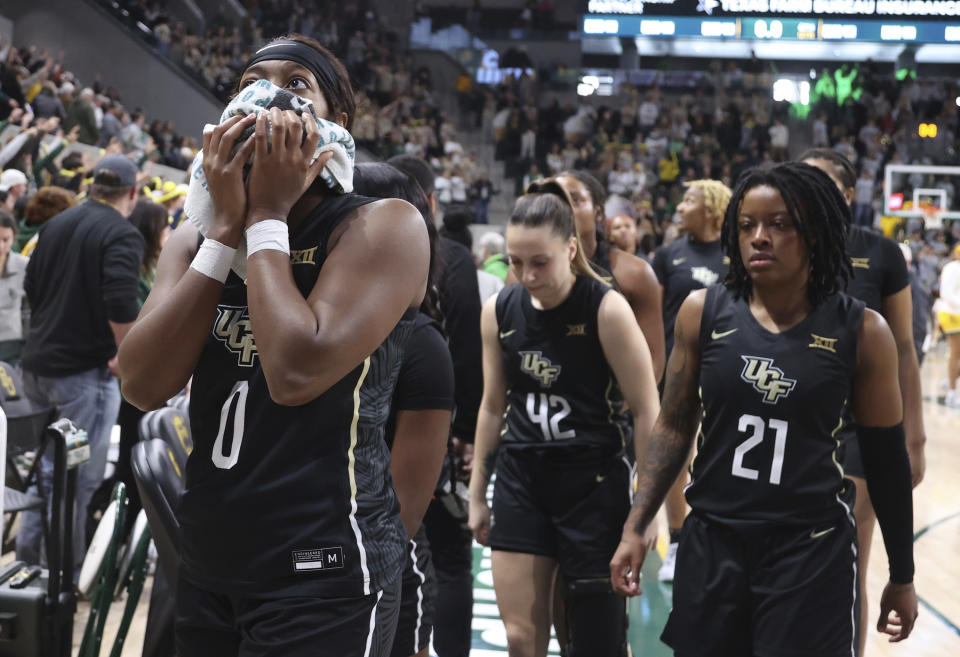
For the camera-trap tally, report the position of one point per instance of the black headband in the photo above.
(302, 54)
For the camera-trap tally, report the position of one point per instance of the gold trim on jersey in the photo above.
(351, 474)
(836, 441)
(613, 410)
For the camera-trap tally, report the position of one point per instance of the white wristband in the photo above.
(268, 234)
(213, 260)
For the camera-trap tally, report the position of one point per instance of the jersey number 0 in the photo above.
(231, 416)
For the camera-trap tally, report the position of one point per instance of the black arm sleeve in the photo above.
(887, 469)
(120, 277)
(460, 303)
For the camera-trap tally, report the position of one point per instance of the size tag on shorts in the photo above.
(323, 559)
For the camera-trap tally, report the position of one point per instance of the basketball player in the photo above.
(881, 281)
(690, 263)
(632, 276)
(948, 316)
(767, 562)
(559, 347)
(292, 537)
(419, 423)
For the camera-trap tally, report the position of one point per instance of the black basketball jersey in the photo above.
(772, 405)
(682, 267)
(560, 389)
(293, 499)
(879, 269)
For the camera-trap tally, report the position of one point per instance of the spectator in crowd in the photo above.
(13, 267)
(623, 234)
(481, 191)
(493, 259)
(81, 283)
(81, 113)
(110, 126)
(47, 104)
(863, 200)
(13, 183)
(48, 202)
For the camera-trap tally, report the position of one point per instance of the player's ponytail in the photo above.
(547, 204)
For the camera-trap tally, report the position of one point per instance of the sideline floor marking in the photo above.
(929, 607)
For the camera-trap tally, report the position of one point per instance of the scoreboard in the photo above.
(778, 28)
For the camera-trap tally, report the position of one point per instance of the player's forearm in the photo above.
(160, 352)
(644, 420)
(660, 467)
(486, 443)
(910, 389)
(419, 445)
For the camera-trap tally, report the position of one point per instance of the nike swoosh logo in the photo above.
(677, 261)
(600, 478)
(716, 336)
(815, 534)
(507, 334)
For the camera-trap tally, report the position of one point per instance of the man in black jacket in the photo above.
(81, 283)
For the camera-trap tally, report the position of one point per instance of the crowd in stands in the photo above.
(645, 143)
(397, 110)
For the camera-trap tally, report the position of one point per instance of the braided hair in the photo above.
(842, 169)
(820, 214)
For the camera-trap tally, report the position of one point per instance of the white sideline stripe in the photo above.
(352, 460)
(485, 594)
(423, 579)
(373, 624)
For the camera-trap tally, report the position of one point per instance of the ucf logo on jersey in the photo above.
(704, 275)
(232, 328)
(766, 378)
(540, 368)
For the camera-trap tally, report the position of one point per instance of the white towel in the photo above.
(259, 97)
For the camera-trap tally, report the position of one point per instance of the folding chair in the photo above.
(158, 475)
(131, 576)
(98, 575)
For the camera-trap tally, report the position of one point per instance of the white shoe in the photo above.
(951, 400)
(665, 574)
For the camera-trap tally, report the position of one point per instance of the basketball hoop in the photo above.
(932, 216)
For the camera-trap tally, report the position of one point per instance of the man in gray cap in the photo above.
(81, 283)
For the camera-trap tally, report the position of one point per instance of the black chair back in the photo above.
(158, 477)
(172, 426)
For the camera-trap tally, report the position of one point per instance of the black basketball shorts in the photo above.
(417, 599)
(768, 592)
(217, 625)
(568, 508)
